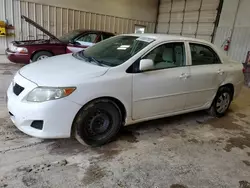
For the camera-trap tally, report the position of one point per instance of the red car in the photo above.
(34, 50)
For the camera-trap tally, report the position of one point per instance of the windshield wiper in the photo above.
(76, 55)
(96, 61)
(92, 59)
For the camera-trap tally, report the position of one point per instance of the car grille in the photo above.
(17, 89)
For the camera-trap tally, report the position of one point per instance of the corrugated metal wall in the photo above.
(240, 44)
(192, 18)
(60, 20)
(234, 24)
(6, 12)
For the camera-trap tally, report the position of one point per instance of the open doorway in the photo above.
(140, 29)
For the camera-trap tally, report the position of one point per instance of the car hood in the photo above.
(40, 28)
(61, 71)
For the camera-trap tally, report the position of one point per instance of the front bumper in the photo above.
(57, 115)
(17, 57)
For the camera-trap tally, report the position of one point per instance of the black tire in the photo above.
(97, 123)
(214, 109)
(40, 54)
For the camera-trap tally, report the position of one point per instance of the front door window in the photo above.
(168, 55)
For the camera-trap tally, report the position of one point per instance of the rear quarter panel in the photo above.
(234, 76)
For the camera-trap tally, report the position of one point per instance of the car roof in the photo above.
(94, 31)
(166, 37)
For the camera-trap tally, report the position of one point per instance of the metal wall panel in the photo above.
(221, 34)
(6, 13)
(177, 17)
(3, 40)
(210, 4)
(175, 28)
(59, 21)
(178, 5)
(208, 16)
(191, 16)
(189, 28)
(193, 5)
(165, 6)
(188, 17)
(240, 44)
(164, 18)
(235, 26)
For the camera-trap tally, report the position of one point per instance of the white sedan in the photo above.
(120, 81)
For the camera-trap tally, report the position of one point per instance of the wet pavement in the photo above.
(186, 151)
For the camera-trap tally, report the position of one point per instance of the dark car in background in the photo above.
(34, 50)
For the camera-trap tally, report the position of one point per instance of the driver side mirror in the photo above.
(146, 64)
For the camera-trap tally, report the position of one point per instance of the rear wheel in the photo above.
(41, 55)
(98, 123)
(221, 102)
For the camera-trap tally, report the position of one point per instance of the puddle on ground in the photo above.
(193, 140)
(244, 184)
(65, 147)
(226, 122)
(29, 181)
(106, 152)
(94, 173)
(174, 133)
(180, 132)
(128, 135)
(178, 186)
(241, 142)
(240, 115)
(246, 162)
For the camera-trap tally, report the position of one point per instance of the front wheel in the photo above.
(98, 123)
(41, 55)
(221, 102)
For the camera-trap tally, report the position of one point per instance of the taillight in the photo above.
(68, 50)
(244, 70)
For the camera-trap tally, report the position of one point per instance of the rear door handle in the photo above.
(220, 72)
(184, 76)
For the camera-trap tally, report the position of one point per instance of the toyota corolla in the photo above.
(123, 80)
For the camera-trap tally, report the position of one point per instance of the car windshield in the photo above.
(69, 36)
(114, 51)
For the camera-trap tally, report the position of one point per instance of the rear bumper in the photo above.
(237, 89)
(17, 57)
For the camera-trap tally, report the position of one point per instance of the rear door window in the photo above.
(203, 55)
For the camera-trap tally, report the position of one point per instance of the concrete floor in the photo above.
(192, 150)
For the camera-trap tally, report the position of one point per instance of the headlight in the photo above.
(41, 94)
(21, 50)
(18, 49)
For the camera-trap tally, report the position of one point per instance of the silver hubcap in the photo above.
(223, 102)
(42, 57)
